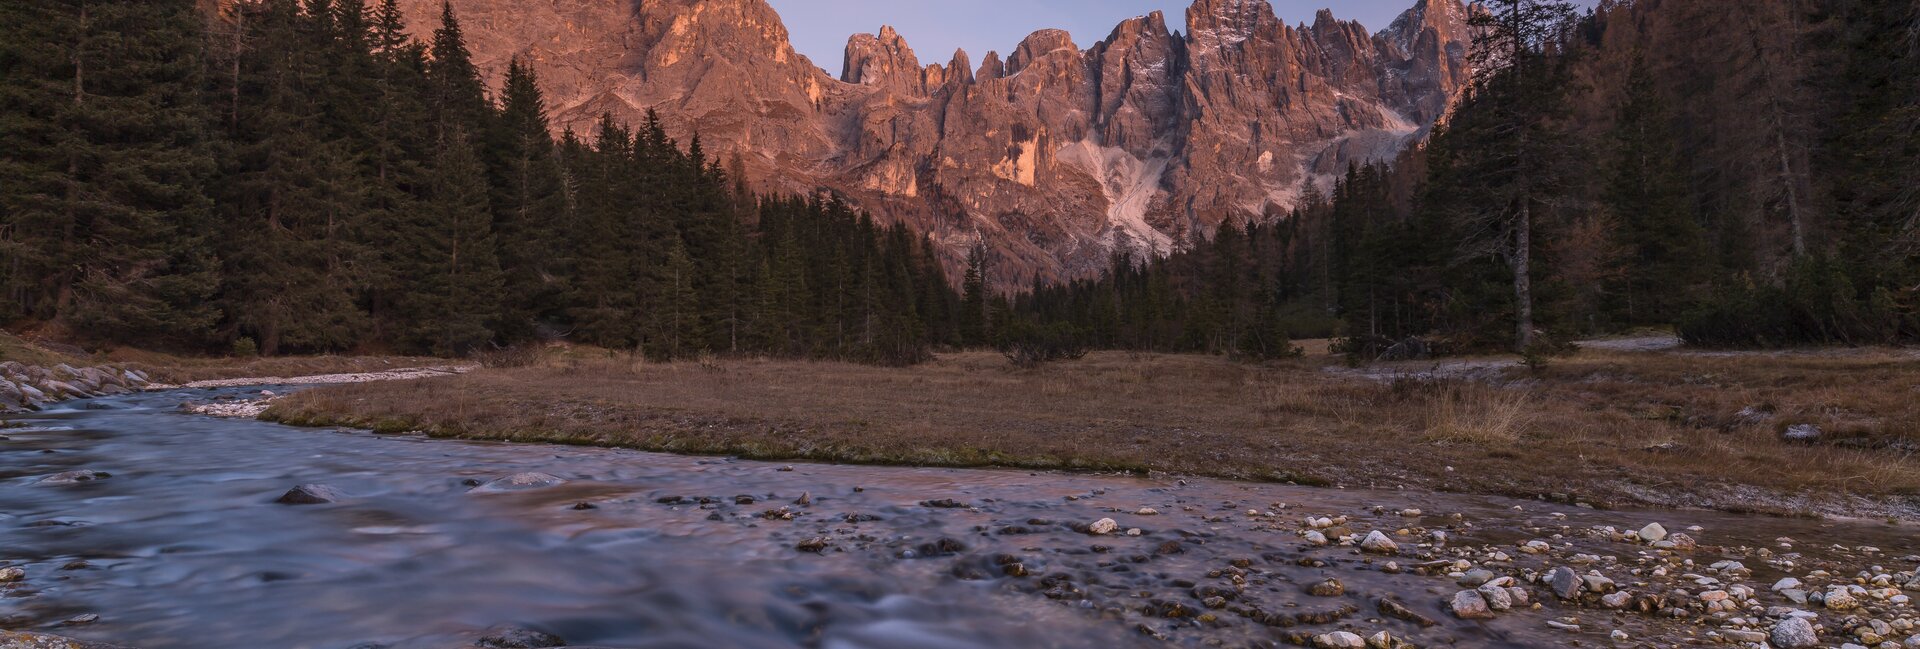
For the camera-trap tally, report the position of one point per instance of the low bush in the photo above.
(1032, 345)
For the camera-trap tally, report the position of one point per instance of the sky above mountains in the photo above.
(935, 28)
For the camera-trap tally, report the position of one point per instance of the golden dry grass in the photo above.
(1602, 427)
(170, 368)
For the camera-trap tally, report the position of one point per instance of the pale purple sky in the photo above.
(936, 27)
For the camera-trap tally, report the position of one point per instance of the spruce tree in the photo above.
(104, 216)
(453, 273)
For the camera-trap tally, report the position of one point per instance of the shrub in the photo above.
(1816, 305)
(1031, 345)
(245, 347)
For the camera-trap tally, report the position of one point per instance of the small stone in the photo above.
(1653, 533)
(9, 575)
(1103, 527)
(1785, 584)
(1618, 636)
(1794, 633)
(1497, 597)
(1339, 640)
(815, 545)
(1617, 600)
(1470, 605)
(1565, 583)
(81, 619)
(1146, 511)
(1381, 640)
(73, 477)
(513, 637)
(311, 494)
(1802, 433)
(1378, 543)
(1315, 537)
(520, 482)
(1327, 588)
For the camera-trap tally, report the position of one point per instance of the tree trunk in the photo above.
(1523, 276)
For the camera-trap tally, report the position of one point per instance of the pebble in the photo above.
(1653, 533)
(8, 575)
(1339, 640)
(1103, 527)
(1377, 542)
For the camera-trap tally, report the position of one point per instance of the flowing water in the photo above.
(183, 546)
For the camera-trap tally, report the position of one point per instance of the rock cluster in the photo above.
(28, 387)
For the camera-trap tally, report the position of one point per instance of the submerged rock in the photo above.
(30, 640)
(508, 636)
(311, 494)
(74, 477)
(521, 482)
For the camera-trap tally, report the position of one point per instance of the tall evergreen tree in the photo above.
(104, 217)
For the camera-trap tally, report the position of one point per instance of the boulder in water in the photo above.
(521, 482)
(311, 494)
(515, 637)
(74, 477)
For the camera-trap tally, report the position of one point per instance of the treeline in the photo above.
(301, 176)
(1747, 172)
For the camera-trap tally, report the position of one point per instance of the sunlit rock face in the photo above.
(1056, 155)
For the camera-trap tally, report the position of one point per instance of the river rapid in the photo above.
(182, 546)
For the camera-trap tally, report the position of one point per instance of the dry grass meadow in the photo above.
(170, 368)
(1608, 428)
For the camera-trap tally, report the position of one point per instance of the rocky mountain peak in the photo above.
(884, 61)
(1055, 157)
(1041, 44)
(1219, 24)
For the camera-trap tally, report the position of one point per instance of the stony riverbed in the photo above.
(125, 520)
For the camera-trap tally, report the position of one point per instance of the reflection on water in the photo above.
(183, 546)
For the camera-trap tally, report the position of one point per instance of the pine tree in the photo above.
(1518, 92)
(453, 273)
(1647, 194)
(104, 216)
(529, 205)
(973, 301)
(459, 99)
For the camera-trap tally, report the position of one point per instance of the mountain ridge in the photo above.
(1055, 156)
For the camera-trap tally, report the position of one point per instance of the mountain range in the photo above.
(1055, 156)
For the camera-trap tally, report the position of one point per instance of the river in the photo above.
(184, 546)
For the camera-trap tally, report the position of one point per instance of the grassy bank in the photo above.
(1606, 428)
(173, 368)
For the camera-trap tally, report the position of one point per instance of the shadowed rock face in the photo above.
(1056, 155)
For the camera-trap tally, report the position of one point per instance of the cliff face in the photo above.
(1056, 155)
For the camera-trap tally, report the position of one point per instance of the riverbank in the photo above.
(213, 533)
(174, 369)
(1828, 434)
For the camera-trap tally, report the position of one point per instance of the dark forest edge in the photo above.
(299, 176)
(1706, 183)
